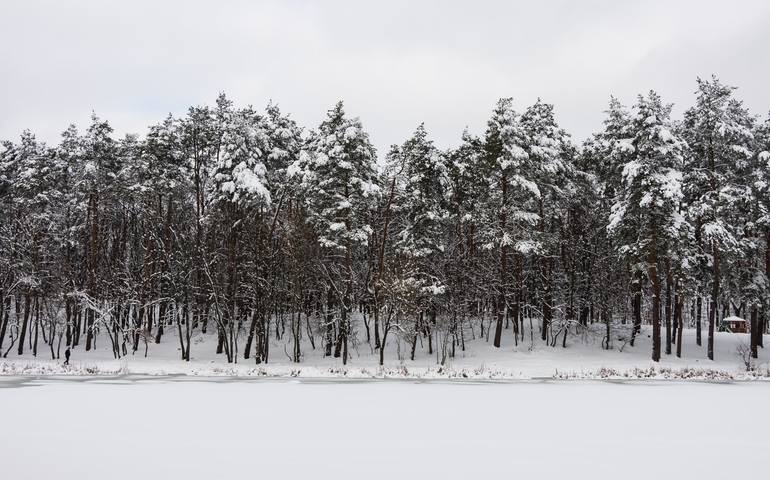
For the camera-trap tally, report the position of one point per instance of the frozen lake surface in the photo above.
(181, 427)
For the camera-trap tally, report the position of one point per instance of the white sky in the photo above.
(395, 63)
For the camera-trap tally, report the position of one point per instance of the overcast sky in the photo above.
(395, 63)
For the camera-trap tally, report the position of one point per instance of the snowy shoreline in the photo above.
(42, 369)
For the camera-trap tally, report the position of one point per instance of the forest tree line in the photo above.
(239, 222)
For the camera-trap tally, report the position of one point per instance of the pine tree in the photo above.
(646, 220)
(338, 175)
(467, 198)
(422, 210)
(512, 190)
(603, 157)
(759, 282)
(718, 131)
(240, 173)
(27, 171)
(550, 152)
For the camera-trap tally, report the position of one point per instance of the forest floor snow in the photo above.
(583, 358)
(196, 428)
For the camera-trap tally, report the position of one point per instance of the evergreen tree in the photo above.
(718, 132)
(602, 158)
(512, 197)
(420, 241)
(646, 220)
(550, 152)
(340, 183)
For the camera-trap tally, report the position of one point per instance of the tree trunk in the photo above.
(698, 316)
(547, 298)
(376, 314)
(89, 328)
(37, 326)
(637, 306)
(755, 332)
(652, 268)
(329, 321)
(713, 312)
(68, 320)
(250, 338)
(161, 321)
(675, 324)
(3, 317)
(24, 322)
(678, 322)
(503, 262)
(668, 313)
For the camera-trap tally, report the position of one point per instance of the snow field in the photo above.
(108, 429)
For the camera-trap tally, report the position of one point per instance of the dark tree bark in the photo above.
(698, 316)
(668, 312)
(501, 307)
(250, 338)
(713, 312)
(755, 331)
(547, 297)
(652, 268)
(329, 321)
(678, 321)
(675, 323)
(25, 320)
(637, 307)
(37, 326)
(5, 307)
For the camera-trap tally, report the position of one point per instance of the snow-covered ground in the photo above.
(98, 428)
(160, 417)
(583, 357)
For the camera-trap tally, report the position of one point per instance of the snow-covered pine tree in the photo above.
(240, 193)
(70, 153)
(159, 182)
(761, 189)
(421, 205)
(7, 173)
(282, 143)
(100, 168)
(511, 214)
(422, 198)
(550, 154)
(337, 167)
(29, 174)
(199, 144)
(604, 153)
(602, 158)
(240, 172)
(718, 131)
(645, 220)
(467, 194)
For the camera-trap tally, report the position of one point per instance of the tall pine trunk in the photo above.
(713, 311)
(668, 311)
(679, 303)
(24, 323)
(698, 317)
(652, 269)
(503, 266)
(547, 297)
(3, 317)
(636, 302)
(755, 331)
